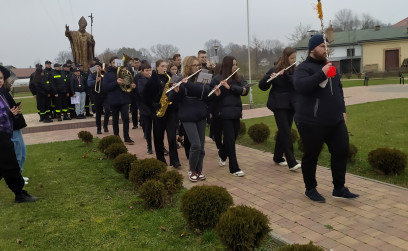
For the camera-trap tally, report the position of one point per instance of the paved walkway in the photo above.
(378, 220)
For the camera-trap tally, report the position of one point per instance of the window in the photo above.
(351, 52)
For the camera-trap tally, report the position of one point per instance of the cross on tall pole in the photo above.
(92, 17)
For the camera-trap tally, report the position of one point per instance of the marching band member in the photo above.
(281, 101)
(154, 96)
(192, 112)
(229, 109)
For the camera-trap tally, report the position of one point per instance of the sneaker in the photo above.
(177, 165)
(238, 174)
(23, 196)
(296, 167)
(221, 162)
(135, 127)
(344, 193)
(165, 152)
(193, 177)
(314, 195)
(201, 176)
(26, 178)
(25, 182)
(105, 129)
(129, 141)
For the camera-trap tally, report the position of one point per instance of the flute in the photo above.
(272, 78)
(179, 83)
(218, 86)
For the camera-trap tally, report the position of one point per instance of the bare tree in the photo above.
(164, 51)
(345, 20)
(63, 56)
(299, 34)
(106, 55)
(213, 44)
(146, 55)
(131, 52)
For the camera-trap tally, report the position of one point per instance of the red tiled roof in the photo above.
(403, 22)
(23, 72)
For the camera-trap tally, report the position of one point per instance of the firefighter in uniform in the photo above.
(66, 75)
(49, 79)
(67, 78)
(33, 88)
(60, 96)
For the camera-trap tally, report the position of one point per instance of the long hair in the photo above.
(226, 69)
(158, 62)
(171, 64)
(284, 61)
(187, 66)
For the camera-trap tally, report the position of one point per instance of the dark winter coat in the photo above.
(152, 93)
(115, 94)
(60, 85)
(141, 83)
(77, 86)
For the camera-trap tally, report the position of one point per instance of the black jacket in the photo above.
(67, 80)
(59, 82)
(91, 85)
(282, 93)
(152, 92)
(115, 94)
(77, 86)
(49, 79)
(31, 85)
(141, 83)
(316, 105)
(229, 102)
(191, 101)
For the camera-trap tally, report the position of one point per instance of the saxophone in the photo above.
(164, 101)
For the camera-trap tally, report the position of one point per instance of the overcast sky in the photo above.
(33, 30)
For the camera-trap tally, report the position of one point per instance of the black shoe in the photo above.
(165, 152)
(59, 118)
(135, 127)
(66, 117)
(105, 129)
(129, 141)
(177, 165)
(47, 120)
(344, 193)
(314, 195)
(149, 151)
(23, 196)
(98, 131)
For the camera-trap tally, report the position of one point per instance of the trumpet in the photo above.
(125, 74)
(179, 83)
(272, 78)
(99, 75)
(218, 86)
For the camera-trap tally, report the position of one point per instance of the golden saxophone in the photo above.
(164, 100)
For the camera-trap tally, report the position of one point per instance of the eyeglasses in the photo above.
(195, 65)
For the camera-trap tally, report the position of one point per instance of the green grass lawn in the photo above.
(29, 105)
(370, 125)
(85, 205)
(22, 94)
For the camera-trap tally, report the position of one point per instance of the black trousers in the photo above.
(87, 103)
(44, 103)
(101, 104)
(9, 168)
(284, 145)
(230, 128)
(124, 113)
(337, 140)
(216, 131)
(134, 110)
(60, 103)
(166, 123)
(147, 123)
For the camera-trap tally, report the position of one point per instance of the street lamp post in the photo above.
(249, 56)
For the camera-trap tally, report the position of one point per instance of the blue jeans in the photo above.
(79, 108)
(19, 148)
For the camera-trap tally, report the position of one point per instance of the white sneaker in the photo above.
(295, 167)
(283, 163)
(239, 174)
(221, 162)
(26, 178)
(25, 182)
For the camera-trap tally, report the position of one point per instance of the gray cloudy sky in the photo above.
(34, 29)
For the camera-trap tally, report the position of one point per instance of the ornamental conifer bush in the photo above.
(85, 136)
(115, 149)
(107, 141)
(153, 193)
(259, 132)
(146, 169)
(242, 228)
(388, 160)
(202, 206)
(122, 163)
(301, 247)
(172, 180)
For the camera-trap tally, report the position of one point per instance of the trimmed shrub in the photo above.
(242, 228)
(153, 193)
(144, 170)
(242, 128)
(85, 136)
(115, 149)
(351, 157)
(122, 162)
(388, 160)
(172, 180)
(107, 141)
(259, 132)
(202, 206)
(301, 247)
(293, 135)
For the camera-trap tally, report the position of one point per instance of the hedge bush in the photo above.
(122, 163)
(153, 193)
(242, 128)
(351, 157)
(259, 132)
(172, 180)
(85, 136)
(202, 206)
(242, 228)
(146, 169)
(301, 247)
(113, 150)
(107, 141)
(388, 160)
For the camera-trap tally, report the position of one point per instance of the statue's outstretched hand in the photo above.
(66, 28)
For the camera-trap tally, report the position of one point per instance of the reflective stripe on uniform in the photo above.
(57, 76)
(48, 82)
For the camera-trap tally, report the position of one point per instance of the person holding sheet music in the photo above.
(229, 110)
(281, 101)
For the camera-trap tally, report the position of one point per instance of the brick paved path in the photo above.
(378, 220)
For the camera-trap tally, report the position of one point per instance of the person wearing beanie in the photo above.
(9, 168)
(320, 115)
